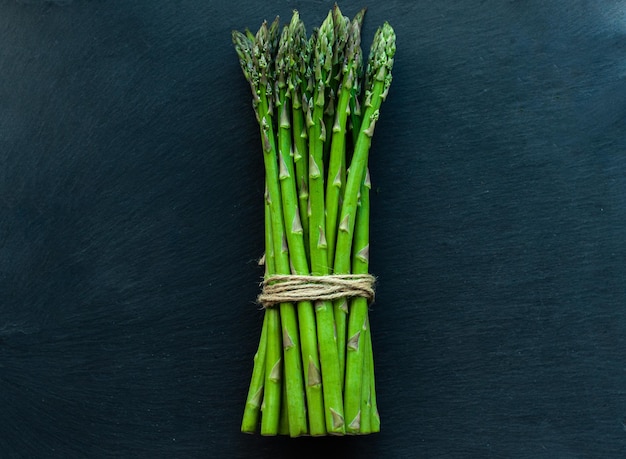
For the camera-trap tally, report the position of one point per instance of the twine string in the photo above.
(289, 288)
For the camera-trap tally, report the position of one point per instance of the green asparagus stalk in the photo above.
(321, 65)
(286, 172)
(357, 324)
(291, 346)
(341, 24)
(338, 140)
(295, 236)
(283, 424)
(375, 422)
(255, 397)
(272, 398)
(255, 393)
(273, 377)
(262, 396)
(365, 420)
(329, 358)
(336, 168)
(299, 69)
(370, 419)
(355, 105)
(377, 84)
(256, 57)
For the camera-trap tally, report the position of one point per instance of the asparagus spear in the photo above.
(269, 393)
(273, 376)
(283, 424)
(337, 164)
(256, 57)
(365, 418)
(355, 106)
(256, 390)
(266, 39)
(338, 140)
(367, 394)
(295, 233)
(377, 84)
(356, 372)
(341, 25)
(299, 73)
(370, 419)
(377, 87)
(329, 358)
(375, 423)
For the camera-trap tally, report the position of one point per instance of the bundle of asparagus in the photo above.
(313, 372)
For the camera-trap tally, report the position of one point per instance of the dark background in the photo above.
(131, 220)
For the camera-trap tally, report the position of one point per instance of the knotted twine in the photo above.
(289, 288)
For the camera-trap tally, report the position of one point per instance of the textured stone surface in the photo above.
(131, 219)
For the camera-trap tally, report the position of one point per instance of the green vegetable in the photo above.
(337, 168)
(377, 87)
(357, 373)
(295, 234)
(321, 66)
(306, 97)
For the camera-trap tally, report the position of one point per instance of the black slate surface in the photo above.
(131, 219)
